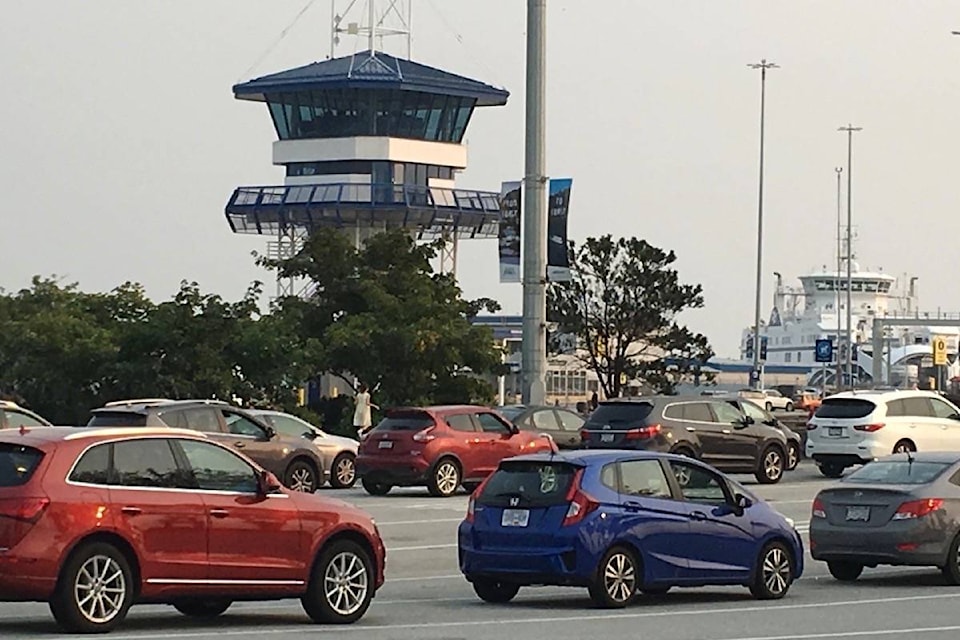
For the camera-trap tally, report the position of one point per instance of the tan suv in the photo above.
(13, 416)
(293, 460)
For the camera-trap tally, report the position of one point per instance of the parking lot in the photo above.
(425, 597)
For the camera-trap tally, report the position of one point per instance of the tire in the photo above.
(789, 407)
(845, 571)
(615, 584)
(102, 571)
(376, 488)
(773, 574)
(793, 456)
(771, 465)
(346, 602)
(343, 471)
(301, 476)
(951, 570)
(495, 591)
(904, 446)
(831, 469)
(445, 478)
(202, 608)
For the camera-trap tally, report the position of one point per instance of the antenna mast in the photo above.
(382, 18)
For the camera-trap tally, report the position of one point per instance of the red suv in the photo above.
(440, 447)
(95, 520)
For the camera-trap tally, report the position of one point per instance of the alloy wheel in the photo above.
(345, 583)
(773, 464)
(776, 571)
(301, 479)
(447, 478)
(346, 471)
(620, 577)
(100, 589)
(793, 456)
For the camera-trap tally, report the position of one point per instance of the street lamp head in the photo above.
(839, 170)
(849, 128)
(763, 64)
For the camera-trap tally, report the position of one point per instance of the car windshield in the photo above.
(898, 472)
(845, 408)
(117, 419)
(620, 412)
(405, 421)
(17, 464)
(528, 484)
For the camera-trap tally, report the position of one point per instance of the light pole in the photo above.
(839, 374)
(763, 65)
(850, 130)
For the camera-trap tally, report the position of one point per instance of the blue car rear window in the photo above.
(898, 472)
(528, 484)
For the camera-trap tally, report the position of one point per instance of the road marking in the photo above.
(449, 576)
(855, 634)
(400, 522)
(423, 547)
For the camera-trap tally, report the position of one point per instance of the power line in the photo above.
(283, 34)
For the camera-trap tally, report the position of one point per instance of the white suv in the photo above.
(769, 399)
(855, 427)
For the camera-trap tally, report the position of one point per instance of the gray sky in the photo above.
(120, 140)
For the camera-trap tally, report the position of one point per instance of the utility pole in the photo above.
(850, 129)
(534, 351)
(763, 65)
(838, 377)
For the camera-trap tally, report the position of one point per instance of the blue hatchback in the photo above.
(619, 523)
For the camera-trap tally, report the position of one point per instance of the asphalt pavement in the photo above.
(426, 598)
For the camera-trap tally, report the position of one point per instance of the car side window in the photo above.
(608, 476)
(896, 408)
(569, 421)
(697, 412)
(287, 426)
(176, 418)
(725, 414)
(675, 412)
(644, 478)
(918, 407)
(942, 410)
(145, 463)
(461, 422)
(17, 419)
(216, 469)
(203, 419)
(545, 420)
(697, 484)
(93, 467)
(242, 426)
(755, 412)
(490, 423)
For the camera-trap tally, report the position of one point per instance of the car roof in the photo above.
(443, 408)
(879, 395)
(143, 405)
(947, 457)
(39, 436)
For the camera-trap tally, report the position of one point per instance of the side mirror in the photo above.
(742, 502)
(744, 422)
(514, 429)
(271, 433)
(267, 483)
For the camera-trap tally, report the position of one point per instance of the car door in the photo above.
(499, 438)
(719, 545)
(468, 445)
(253, 440)
(151, 506)
(252, 539)
(735, 442)
(570, 425)
(947, 422)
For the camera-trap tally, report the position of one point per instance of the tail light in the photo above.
(27, 510)
(869, 428)
(818, 511)
(918, 508)
(644, 433)
(581, 503)
(584, 435)
(424, 436)
(471, 503)
(811, 426)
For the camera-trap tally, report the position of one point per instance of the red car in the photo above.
(440, 447)
(95, 520)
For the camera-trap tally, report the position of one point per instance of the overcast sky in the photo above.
(120, 140)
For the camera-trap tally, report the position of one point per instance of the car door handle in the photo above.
(131, 511)
(239, 445)
(690, 429)
(698, 515)
(631, 505)
(219, 513)
(726, 431)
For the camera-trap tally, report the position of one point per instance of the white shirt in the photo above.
(361, 414)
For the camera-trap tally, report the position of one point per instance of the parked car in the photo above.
(769, 399)
(856, 427)
(560, 424)
(96, 520)
(13, 416)
(903, 509)
(292, 459)
(619, 523)
(440, 447)
(762, 416)
(338, 454)
(695, 426)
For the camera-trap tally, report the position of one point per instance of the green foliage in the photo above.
(622, 304)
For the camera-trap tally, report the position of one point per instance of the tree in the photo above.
(622, 304)
(381, 315)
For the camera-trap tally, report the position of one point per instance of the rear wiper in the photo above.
(511, 494)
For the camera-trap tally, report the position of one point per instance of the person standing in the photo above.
(362, 420)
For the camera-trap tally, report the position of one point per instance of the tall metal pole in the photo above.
(839, 374)
(534, 351)
(763, 65)
(850, 129)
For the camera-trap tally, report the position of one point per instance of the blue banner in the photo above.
(558, 258)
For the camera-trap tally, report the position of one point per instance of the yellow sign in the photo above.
(623, 378)
(939, 350)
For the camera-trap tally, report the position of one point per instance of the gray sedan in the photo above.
(903, 509)
(339, 454)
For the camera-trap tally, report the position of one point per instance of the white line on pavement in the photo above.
(400, 522)
(856, 634)
(423, 547)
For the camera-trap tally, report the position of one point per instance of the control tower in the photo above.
(369, 141)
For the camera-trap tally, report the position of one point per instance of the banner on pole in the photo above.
(558, 258)
(509, 232)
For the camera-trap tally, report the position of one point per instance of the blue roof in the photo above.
(368, 70)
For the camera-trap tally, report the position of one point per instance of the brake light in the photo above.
(472, 501)
(811, 426)
(27, 510)
(818, 510)
(918, 508)
(584, 435)
(644, 433)
(581, 503)
(869, 428)
(424, 436)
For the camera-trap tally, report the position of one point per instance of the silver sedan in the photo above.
(339, 454)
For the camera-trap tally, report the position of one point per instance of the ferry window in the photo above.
(799, 356)
(787, 357)
(856, 286)
(871, 287)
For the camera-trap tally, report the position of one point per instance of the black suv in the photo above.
(710, 429)
(293, 460)
(795, 443)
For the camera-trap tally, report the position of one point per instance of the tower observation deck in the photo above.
(369, 142)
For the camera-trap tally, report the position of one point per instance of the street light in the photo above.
(763, 65)
(839, 373)
(850, 130)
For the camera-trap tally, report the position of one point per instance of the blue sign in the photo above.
(824, 350)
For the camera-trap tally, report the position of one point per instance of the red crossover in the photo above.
(95, 520)
(440, 447)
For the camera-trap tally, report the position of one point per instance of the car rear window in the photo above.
(620, 413)
(845, 408)
(898, 472)
(17, 464)
(117, 419)
(528, 484)
(405, 421)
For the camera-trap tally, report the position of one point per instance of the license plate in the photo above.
(386, 444)
(835, 432)
(858, 513)
(515, 518)
(606, 437)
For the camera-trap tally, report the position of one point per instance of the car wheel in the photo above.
(773, 574)
(376, 488)
(904, 446)
(341, 585)
(445, 478)
(495, 591)
(771, 465)
(951, 570)
(793, 456)
(769, 407)
(615, 583)
(831, 469)
(343, 472)
(202, 608)
(845, 571)
(94, 591)
(789, 407)
(301, 476)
